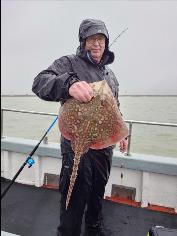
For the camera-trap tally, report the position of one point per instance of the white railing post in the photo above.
(1, 123)
(129, 138)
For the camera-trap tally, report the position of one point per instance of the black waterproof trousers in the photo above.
(93, 174)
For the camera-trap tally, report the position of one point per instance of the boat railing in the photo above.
(129, 122)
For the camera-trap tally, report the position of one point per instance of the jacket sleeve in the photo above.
(115, 86)
(52, 84)
(117, 93)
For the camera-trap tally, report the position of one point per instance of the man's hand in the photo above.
(123, 145)
(81, 91)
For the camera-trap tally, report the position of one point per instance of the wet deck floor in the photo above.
(31, 211)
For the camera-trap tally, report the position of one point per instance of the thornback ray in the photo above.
(96, 124)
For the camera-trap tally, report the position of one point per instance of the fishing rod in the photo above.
(30, 161)
(123, 31)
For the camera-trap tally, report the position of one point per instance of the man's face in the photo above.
(96, 45)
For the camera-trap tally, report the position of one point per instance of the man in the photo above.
(67, 77)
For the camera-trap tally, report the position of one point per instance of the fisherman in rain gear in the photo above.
(69, 76)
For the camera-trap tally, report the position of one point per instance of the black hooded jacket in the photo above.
(53, 83)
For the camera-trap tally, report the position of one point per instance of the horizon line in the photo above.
(120, 95)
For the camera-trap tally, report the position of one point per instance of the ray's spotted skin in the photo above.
(96, 124)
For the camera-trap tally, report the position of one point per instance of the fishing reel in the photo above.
(30, 161)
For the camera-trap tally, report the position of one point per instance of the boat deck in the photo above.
(31, 211)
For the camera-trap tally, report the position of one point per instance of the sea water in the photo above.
(146, 139)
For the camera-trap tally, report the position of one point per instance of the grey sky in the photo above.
(35, 33)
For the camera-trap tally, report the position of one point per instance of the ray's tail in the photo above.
(73, 178)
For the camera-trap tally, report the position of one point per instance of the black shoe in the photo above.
(97, 232)
(105, 232)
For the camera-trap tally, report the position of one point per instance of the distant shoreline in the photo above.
(18, 95)
(143, 95)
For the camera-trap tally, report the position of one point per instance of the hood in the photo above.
(90, 27)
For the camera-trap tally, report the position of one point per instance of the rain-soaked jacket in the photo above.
(53, 83)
